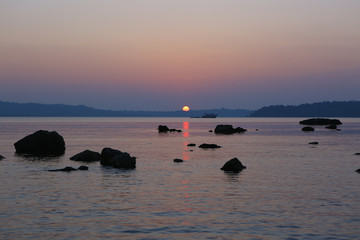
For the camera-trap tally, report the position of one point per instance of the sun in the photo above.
(186, 108)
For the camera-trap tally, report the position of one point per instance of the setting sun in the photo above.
(186, 109)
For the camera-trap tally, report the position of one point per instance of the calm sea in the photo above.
(290, 189)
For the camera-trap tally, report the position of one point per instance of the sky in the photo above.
(164, 54)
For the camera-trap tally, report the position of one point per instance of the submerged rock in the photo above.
(87, 156)
(307, 129)
(320, 121)
(228, 129)
(83, 168)
(69, 169)
(117, 159)
(41, 143)
(206, 145)
(233, 165)
(178, 160)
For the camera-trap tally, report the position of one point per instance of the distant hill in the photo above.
(10, 109)
(321, 109)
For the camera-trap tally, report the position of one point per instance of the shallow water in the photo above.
(290, 189)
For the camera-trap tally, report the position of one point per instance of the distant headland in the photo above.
(320, 109)
(11, 109)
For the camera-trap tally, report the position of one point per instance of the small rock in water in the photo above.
(332, 126)
(83, 168)
(178, 160)
(358, 171)
(233, 165)
(191, 145)
(65, 169)
(307, 129)
(357, 154)
(206, 145)
(87, 156)
(163, 128)
(314, 143)
(1, 157)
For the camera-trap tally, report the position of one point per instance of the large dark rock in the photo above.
(320, 121)
(307, 129)
(207, 145)
(87, 156)
(1, 157)
(228, 129)
(233, 165)
(117, 159)
(107, 155)
(124, 160)
(41, 143)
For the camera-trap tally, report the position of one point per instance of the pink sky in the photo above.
(163, 54)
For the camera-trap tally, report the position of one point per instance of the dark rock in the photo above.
(174, 130)
(358, 171)
(191, 145)
(1, 157)
(87, 156)
(320, 121)
(65, 169)
(69, 169)
(124, 160)
(107, 155)
(307, 129)
(117, 159)
(357, 154)
(41, 143)
(210, 130)
(228, 129)
(178, 160)
(83, 168)
(332, 126)
(206, 145)
(163, 128)
(314, 143)
(233, 165)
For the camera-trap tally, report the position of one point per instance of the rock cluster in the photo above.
(41, 143)
(164, 129)
(228, 129)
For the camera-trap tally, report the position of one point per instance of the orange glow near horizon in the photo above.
(186, 109)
